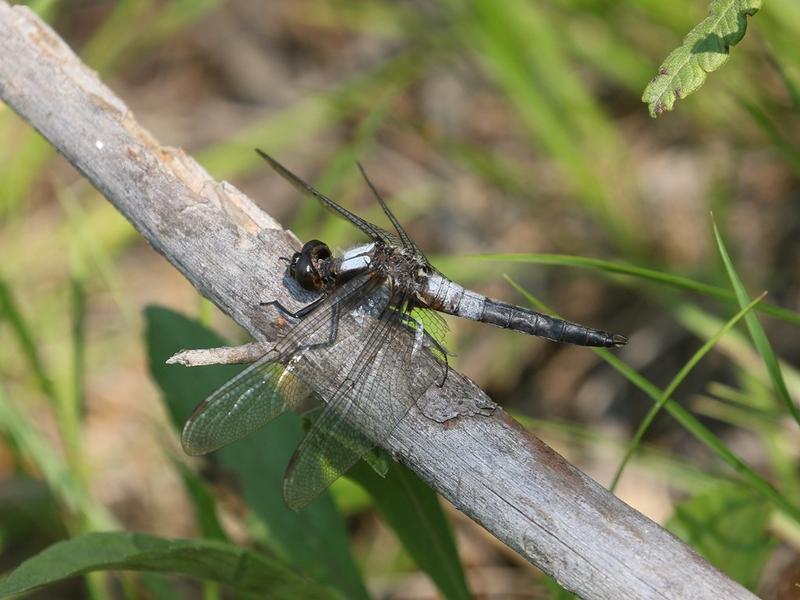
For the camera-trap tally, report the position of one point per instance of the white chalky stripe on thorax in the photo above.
(356, 258)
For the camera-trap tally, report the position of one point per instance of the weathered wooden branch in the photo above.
(227, 355)
(487, 465)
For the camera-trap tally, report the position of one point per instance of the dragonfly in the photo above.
(366, 349)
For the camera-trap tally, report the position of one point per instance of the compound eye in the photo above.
(293, 265)
(317, 250)
(304, 265)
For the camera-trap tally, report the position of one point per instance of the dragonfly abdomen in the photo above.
(447, 296)
(531, 322)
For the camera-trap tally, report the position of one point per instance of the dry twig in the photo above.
(480, 459)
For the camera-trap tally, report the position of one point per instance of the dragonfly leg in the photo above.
(333, 334)
(417, 326)
(299, 314)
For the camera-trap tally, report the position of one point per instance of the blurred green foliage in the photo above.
(552, 128)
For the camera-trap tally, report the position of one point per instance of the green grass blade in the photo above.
(62, 484)
(72, 403)
(683, 476)
(792, 86)
(46, 9)
(22, 169)
(520, 50)
(172, 17)
(737, 345)
(606, 49)
(306, 118)
(673, 385)
(705, 436)
(669, 279)
(243, 570)
(705, 49)
(9, 311)
(774, 132)
(115, 33)
(757, 331)
(97, 249)
(691, 424)
(343, 165)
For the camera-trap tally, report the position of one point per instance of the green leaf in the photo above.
(243, 570)
(704, 49)
(205, 507)
(727, 524)
(314, 539)
(413, 511)
(757, 332)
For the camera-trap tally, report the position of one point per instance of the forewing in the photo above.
(269, 386)
(373, 231)
(403, 236)
(387, 368)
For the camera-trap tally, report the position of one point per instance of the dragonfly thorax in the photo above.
(401, 267)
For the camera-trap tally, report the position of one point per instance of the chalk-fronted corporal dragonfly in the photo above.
(368, 346)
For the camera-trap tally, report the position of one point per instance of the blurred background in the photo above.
(491, 127)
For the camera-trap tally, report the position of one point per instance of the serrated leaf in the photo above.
(704, 49)
(242, 570)
(727, 524)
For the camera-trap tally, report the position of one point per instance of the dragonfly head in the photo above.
(304, 265)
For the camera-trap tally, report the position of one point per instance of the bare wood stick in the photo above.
(487, 466)
(227, 355)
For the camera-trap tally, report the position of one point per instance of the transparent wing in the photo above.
(403, 237)
(373, 231)
(269, 386)
(387, 367)
(435, 328)
(254, 397)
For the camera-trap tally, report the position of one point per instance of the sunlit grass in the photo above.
(663, 399)
(568, 75)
